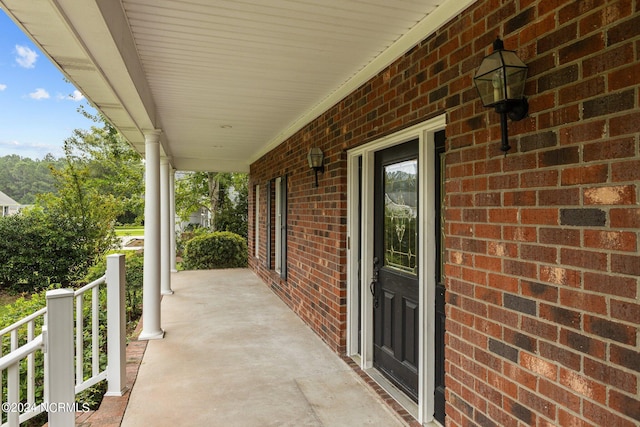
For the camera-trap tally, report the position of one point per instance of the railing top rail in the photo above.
(21, 352)
(43, 310)
(88, 286)
(23, 321)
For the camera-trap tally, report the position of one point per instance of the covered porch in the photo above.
(234, 354)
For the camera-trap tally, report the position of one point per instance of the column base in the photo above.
(146, 336)
(116, 393)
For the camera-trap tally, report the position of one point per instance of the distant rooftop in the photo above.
(7, 201)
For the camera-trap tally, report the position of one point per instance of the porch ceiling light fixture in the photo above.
(316, 161)
(500, 82)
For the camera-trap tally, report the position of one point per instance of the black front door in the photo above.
(396, 288)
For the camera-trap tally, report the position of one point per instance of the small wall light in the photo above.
(500, 82)
(316, 161)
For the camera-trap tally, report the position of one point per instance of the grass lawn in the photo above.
(130, 231)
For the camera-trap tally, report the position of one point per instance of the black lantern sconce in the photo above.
(316, 161)
(500, 81)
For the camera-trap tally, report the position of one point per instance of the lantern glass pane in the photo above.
(516, 78)
(490, 64)
(315, 157)
(500, 77)
(490, 87)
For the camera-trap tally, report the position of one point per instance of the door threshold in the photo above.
(394, 392)
(407, 403)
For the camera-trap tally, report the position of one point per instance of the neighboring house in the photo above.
(201, 218)
(8, 206)
(477, 288)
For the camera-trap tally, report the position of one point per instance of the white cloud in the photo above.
(2, 87)
(9, 144)
(76, 96)
(39, 94)
(26, 57)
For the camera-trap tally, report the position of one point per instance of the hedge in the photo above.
(219, 249)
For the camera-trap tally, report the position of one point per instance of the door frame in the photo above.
(363, 243)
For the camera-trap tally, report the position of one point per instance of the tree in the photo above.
(71, 227)
(113, 167)
(57, 240)
(233, 211)
(222, 195)
(80, 207)
(23, 178)
(196, 191)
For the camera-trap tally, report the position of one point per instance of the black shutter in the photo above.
(267, 262)
(283, 228)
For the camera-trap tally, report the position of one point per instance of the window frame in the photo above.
(277, 225)
(256, 226)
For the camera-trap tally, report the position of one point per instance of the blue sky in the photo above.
(38, 108)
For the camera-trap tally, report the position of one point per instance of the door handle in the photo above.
(374, 281)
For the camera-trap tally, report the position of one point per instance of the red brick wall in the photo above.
(542, 245)
(316, 250)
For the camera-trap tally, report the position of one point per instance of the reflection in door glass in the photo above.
(400, 215)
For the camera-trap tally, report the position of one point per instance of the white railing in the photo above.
(11, 362)
(64, 374)
(96, 374)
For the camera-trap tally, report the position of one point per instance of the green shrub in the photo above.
(35, 253)
(220, 249)
(134, 269)
(190, 231)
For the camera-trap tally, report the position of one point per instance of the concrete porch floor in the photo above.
(235, 355)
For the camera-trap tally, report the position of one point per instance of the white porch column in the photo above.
(172, 218)
(165, 228)
(151, 281)
(59, 347)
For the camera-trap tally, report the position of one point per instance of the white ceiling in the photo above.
(225, 80)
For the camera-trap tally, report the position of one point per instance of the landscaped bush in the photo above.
(37, 250)
(220, 249)
(190, 231)
(43, 246)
